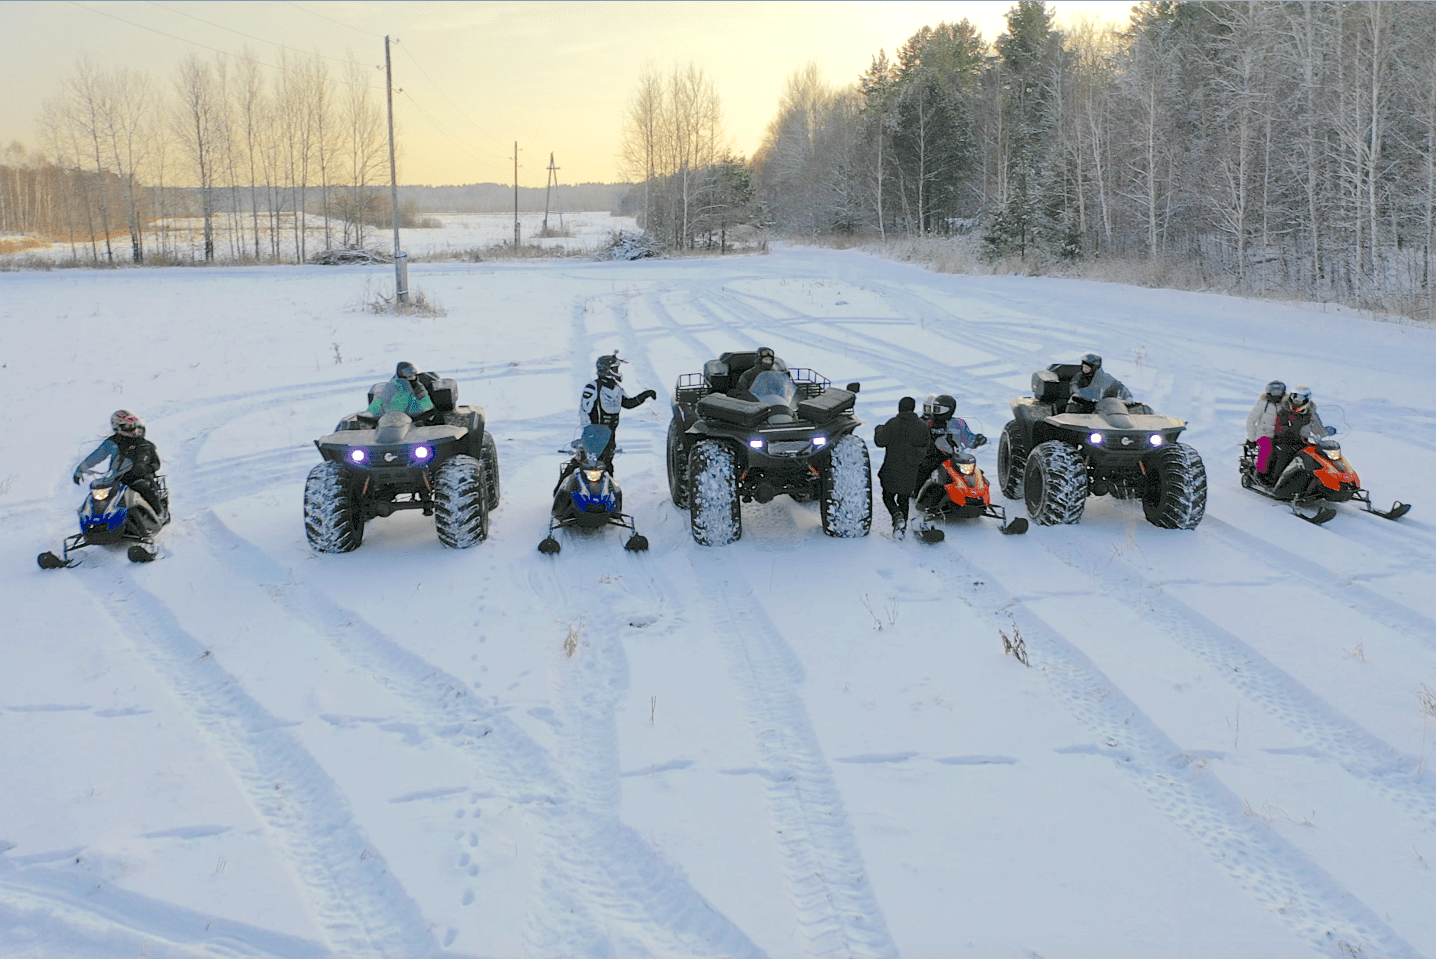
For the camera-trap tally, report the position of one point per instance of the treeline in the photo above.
(264, 155)
(1268, 145)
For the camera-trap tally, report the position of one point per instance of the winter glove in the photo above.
(647, 395)
(979, 440)
(76, 477)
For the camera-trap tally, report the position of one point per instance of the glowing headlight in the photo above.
(1156, 439)
(593, 476)
(820, 441)
(966, 468)
(1095, 439)
(357, 456)
(421, 452)
(756, 443)
(101, 494)
(1334, 455)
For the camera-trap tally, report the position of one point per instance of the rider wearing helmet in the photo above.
(127, 443)
(604, 400)
(1093, 384)
(405, 393)
(1261, 421)
(1296, 425)
(767, 361)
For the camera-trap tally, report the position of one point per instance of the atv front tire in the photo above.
(461, 502)
(1055, 484)
(677, 465)
(1011, 460)
(1175, 496)
(490, 458)
(332, 520)
(847, 491)
(715, 515)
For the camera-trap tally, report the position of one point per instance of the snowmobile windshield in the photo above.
(118, 467)
(775, 388)
(591, 442)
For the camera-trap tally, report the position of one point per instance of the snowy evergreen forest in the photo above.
(1284, 147)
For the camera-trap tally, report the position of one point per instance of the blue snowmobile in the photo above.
(111, 515)
(587, 497)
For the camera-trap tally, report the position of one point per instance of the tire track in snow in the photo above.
(647, 898)
(1362, 599)
(837, 909)
(592, 874)
(362, 909)
(1363, 755)
(1268, 868)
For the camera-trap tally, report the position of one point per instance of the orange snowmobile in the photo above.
(958, 488)
(1316, 477)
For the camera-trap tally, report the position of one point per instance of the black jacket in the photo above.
(906, 438)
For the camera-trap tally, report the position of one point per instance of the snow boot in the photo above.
(899, 526)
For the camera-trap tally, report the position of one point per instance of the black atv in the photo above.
(444, 463)
(1055, 459)
(790, 432)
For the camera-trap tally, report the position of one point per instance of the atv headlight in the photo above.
(966, 469)
(358, 456)
(593, 476)
(101, 494)
(421, 453)
(1096, 439)
(820, 441)
(1156, 439)
(756, 443)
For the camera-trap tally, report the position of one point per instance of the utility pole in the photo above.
(516, 193)
(549, 185)
(401, 272)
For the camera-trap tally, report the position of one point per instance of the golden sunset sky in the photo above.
(476, 76)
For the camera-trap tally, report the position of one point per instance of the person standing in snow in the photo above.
(403, 394)
(128, 443)
(604, 400)
(1093, 384)
(1261, 421)
(906, 439)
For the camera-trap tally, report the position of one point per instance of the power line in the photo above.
(241, 33)
(440, 88)
(446, 134)
(367, 33)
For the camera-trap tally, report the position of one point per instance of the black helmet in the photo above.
(607, 366)
(406, 370)
(127, 424)
(1092, 360)
(1276, 388)
(938, 407)
(766, 353)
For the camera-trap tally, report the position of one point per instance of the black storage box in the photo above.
(827, 405)
(739, 412)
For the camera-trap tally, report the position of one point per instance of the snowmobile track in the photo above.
(522, 771)
(837, 908)
(1361, 754)
(355, 899)
(1276, 874)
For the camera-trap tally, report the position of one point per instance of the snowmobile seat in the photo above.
(717, 375)
(374, 390)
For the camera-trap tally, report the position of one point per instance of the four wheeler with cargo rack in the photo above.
(444, 462)
(1055, 459)
(790, 432)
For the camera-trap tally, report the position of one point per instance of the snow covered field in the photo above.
(248, 749)
(459, 234)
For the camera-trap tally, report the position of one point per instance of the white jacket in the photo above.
(1261, 421)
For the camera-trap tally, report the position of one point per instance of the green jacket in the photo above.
(397, 397)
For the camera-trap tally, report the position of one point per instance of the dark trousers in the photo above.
(896, 501)
(149, 490)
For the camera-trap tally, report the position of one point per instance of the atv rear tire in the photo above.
(1175, 496)
(677, 465)
(1011, 460)
(461, 502)
(715, 513)
(332, 520)
(490, 459)
(1055, 484)
(846, 502)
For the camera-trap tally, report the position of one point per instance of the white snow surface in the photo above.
(251, 749)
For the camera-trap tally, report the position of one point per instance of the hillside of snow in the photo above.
(792, 746)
